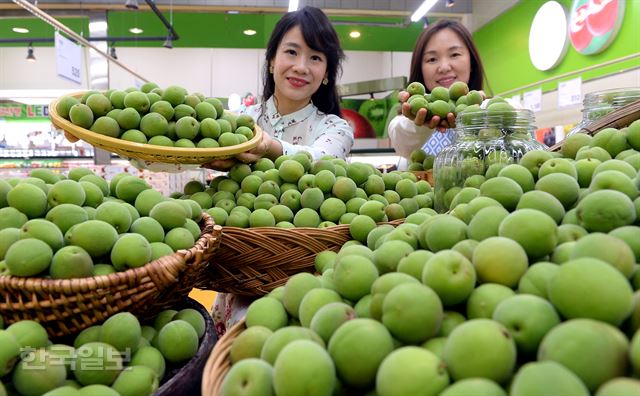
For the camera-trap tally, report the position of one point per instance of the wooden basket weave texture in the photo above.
(254, 261)
(219, 361)
(67, 306)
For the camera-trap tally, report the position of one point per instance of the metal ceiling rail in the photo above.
(58, 25)
(173, 35)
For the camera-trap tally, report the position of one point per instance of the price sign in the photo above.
(570, 92)
(68, 58)
(533, 100)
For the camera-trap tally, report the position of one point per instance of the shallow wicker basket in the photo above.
(186, 379)
(147, 153)
(219, 362)
(619, 118)
(254, 261)
(67, 306)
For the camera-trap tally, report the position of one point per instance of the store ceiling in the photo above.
(473, 13)
(351, 7)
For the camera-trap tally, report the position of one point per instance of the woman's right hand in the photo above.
(420, 118)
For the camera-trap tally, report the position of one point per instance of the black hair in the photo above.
(477, 78)
(320, 36)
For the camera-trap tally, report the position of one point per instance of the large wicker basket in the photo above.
(66, 306)
(146, 153)
(219, 362)
(254, 261)
(187, 379)
(618, 118)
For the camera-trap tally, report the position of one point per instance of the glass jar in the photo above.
(600, 103)
(484, 138)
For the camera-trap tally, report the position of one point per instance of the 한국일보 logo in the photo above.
(593, 24)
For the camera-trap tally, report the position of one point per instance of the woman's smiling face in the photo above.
(298, 71)
(445, 60)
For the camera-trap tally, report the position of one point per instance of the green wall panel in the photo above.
(210, 30)
(504, 47)
(38, 29)
(225, 30)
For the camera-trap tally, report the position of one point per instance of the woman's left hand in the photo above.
(222, 165)
(442, 124)
(265, 148)
(247, 157)
(257, 152)
(70, 137)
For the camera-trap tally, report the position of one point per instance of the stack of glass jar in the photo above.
(487, 141)
(598, 104)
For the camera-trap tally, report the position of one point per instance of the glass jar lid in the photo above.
(495, 122)
(617, 97)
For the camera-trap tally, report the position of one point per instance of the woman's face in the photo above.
(298, 71)
(445, 60)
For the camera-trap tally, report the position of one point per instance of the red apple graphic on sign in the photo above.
(361, 126)
(578, 32)
(602, 16)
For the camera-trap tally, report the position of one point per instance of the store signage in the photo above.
(570, 92)
(22, 111)
(68, 58)
(533, 100)
(548, 41)
(594, 24)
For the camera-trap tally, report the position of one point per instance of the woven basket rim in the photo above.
(254, 261)
(171, 155)
(218, 363)
(300, 229)
(210, 232)
(192, 368)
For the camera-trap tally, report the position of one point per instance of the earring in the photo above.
(325, 81)
(271, 69)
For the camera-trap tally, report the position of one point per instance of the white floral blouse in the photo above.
(307, 129)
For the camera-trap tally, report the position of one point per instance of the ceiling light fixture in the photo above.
(354, 34)
(422, 10)
(20, 30)
(168, 43)
(132, 4)
(30, 56)
(249, 32)
(112, 51)
(450, 3)
(293, 5)
(136, 30)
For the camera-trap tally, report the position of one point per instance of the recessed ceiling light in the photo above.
(249, 32)
(354, 34)
(20, 30)
(136, 30)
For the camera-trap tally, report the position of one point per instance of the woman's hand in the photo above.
(257, 152)
(442, 124)
(420, 118)
(221, 165)
(70, 137)
(267, 147)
